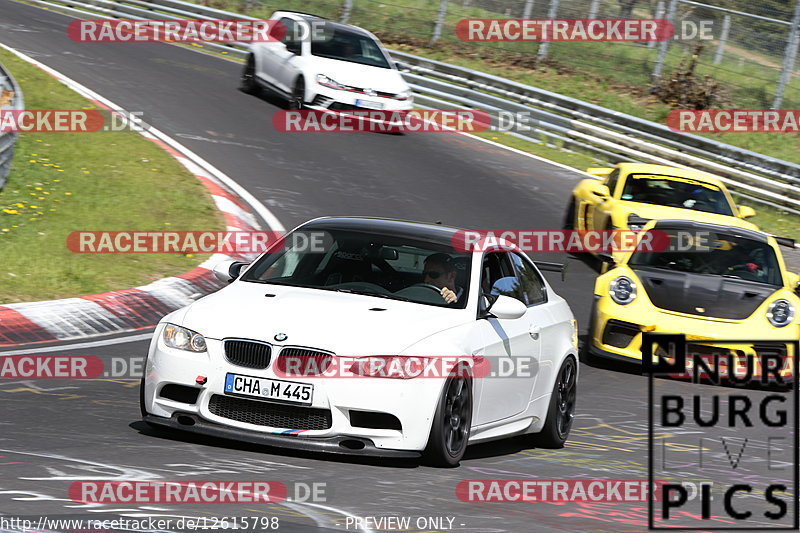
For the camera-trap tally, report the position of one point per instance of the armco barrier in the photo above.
(8, 139)
(611, 135)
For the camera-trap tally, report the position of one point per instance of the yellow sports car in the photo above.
(707, 281)
(630, 194)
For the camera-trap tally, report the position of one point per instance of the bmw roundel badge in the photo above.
(280, 337)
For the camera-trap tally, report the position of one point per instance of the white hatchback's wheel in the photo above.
(248, 83)
(298, 99)
(451, 424)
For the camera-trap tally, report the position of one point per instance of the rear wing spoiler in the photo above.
(785, 241)
(553, 267)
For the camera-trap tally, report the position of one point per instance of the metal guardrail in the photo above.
(10, 98)
(611, 135)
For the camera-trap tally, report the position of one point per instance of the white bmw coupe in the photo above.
(374, 337)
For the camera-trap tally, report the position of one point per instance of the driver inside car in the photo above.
(440, 271)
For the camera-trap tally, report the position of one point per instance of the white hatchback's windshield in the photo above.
(337, 43)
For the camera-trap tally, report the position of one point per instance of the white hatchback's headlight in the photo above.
(780, 313)
(322, 79)
(184, 339)
(622, 290)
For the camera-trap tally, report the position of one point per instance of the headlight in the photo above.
(184, 339)
(622, 290)
(322, 79)
(780, 313)
(636, 223)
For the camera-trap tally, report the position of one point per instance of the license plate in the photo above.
(369, 104)
(269, 389)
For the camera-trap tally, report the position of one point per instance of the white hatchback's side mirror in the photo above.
(229, 270)
(508, 308)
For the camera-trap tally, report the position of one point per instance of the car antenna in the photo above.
(439, 222)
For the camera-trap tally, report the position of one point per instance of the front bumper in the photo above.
(629, 322)
(341, 100)
(338, 445)
(411, 402)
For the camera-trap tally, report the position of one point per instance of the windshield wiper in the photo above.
(376, 294)
(275, 282)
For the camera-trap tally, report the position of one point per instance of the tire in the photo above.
(451, 423)
(569, 216)
(586, 351)
(249, 84)
(297, 101)
(561, 411)
(141, 398)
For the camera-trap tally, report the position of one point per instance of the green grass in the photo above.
(772, 219)
(64, 182)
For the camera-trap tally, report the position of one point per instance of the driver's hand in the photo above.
(448, 295)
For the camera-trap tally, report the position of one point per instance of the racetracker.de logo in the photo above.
(554, 490)
(560, 241)
(177, 492)
(196, 242)
(67, 121)
(50, 366)
(734, 121)
(381, 121)
(175, 31)
(591, 30)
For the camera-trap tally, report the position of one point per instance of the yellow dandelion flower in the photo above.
(68, 193)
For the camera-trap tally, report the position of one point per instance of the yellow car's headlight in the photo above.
(184, 339)
(780, 313)
(622, 290)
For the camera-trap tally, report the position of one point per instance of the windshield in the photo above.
(337, 43)
(673, 191)
(718, 254)
(384, 266)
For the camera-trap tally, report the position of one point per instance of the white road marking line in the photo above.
(80, 345)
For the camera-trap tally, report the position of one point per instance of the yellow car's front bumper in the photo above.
(616, 331)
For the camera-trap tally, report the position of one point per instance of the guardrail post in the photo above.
(440, 15)
(551, 14)
(526, 13)
(594, 7)
(662, 50)
(789, 57)
(347, 7)
(723, 39)
(659, 14)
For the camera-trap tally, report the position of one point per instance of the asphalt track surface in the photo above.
(54, 432)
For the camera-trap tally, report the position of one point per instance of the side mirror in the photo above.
(294, 47)
(506, 307)
(600, 171)
(402, 66)
(746, 212)
(229, 270)
(601, 191)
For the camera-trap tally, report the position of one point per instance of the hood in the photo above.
(346, 324)
(662, 212)
(703, 295)
(361, 76)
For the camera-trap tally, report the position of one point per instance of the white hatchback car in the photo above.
(388, 367)
(325, 65)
